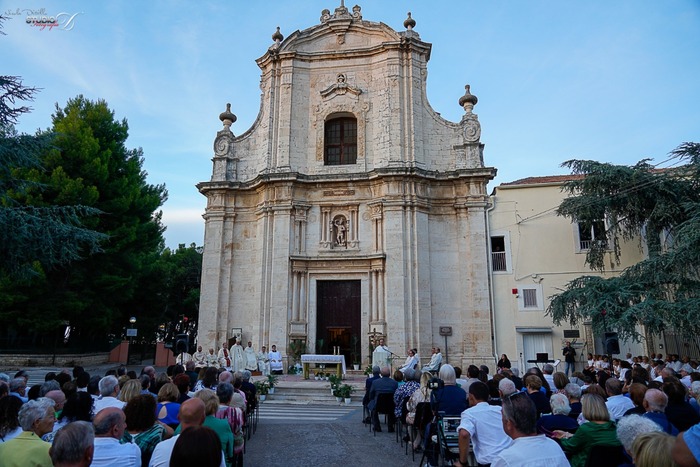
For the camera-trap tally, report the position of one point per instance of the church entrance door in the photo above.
(338, 316)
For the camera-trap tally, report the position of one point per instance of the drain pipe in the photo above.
(492, 311)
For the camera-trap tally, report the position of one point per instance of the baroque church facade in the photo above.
(350, 209)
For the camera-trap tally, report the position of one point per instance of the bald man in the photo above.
(191, 414)
(59, 398)
(110, 424)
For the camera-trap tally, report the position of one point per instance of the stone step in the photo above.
(312, 392)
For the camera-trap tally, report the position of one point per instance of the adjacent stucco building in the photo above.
(534, 254)
(350, 207)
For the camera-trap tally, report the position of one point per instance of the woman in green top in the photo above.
(599, 430)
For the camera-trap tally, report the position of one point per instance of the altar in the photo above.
(338, 360)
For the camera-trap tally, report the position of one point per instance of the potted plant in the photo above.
(262, 389)
(345, 391)
(271, 382)
(335, 384)
(336, 393)
(355, 354)
(296, 349)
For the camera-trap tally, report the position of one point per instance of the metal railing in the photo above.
(498, 261)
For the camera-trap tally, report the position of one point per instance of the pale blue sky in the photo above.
(609, 80)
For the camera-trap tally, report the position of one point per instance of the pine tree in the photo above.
(659, 207)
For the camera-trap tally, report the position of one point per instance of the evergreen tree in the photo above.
(90, 165)
(32, 238)
(661, 208)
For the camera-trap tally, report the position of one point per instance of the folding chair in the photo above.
(401, 420)
(602, 455)
(424, 415)
(384, 405)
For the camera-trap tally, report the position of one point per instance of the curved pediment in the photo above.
(342, 32)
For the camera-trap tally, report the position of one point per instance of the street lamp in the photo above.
(131, 333)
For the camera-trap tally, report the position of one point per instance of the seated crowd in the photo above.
(641, 411)
(123, 419)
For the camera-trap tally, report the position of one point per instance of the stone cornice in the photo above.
(483, 174)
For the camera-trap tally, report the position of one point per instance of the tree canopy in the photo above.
(88, 164)
(33, 236)
(660, 207)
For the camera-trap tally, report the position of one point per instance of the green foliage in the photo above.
(262, 387)
(662, 291)
(296, 349)
(345, 390)
(88, 164)
(33, 236)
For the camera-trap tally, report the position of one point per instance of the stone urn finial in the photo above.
(468, 100)
(227, 117)
(277, 36)
(410, 23)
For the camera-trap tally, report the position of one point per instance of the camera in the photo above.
(436, 383)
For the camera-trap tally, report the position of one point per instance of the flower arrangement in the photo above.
(262, 387)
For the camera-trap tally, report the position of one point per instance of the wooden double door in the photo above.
(338, 317)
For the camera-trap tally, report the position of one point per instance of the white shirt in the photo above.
(618, 405)
(108, 401)
(485, 426)
(531, 451)
(109, 453)
(163, 450)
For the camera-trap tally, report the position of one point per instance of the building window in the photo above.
(500, 252)
(530, 298)
(340, 141)
(590, 233)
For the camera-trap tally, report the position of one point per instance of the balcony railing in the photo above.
(498, 260)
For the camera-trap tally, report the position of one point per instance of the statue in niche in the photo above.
(340, 231)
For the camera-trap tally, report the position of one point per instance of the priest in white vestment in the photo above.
(212, 359)
(275, 357)
(263, 361)
(236, 354)
(224, 357)
(381, 356)
(199, 358)
(250, 357)
(411, 361)
(435, 361)
(183, 358)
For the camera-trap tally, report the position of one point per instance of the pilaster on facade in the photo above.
(300, 213)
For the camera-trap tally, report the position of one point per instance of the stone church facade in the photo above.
(350, 208)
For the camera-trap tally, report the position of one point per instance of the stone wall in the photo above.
(62, 360)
